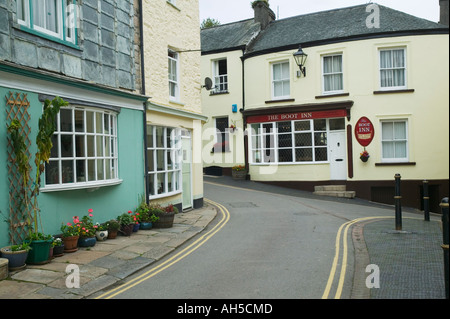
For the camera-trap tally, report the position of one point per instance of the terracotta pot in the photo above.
(126, 230)
(70, 244)
(112, 234)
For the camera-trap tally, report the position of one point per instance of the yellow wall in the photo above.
(220, 105)
(426, 109)
(177, 28)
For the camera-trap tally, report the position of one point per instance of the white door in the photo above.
(338, 155)
(186, 169)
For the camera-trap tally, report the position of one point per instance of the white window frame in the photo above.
(102, 157)
(394, 140)
(284, 81)
(220, 80)
(393, 69)
(332, 73)
(174, 78)
(65, 15)
(173, 151)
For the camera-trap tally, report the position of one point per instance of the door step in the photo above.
(334, 190)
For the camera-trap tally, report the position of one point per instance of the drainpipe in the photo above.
(141, 40)
(242, 111)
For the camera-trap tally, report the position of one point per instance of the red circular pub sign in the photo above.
(364, 131)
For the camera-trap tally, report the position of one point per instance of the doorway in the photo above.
(338, 157)
(186, 169)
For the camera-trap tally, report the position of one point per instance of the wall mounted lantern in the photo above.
(300, 58)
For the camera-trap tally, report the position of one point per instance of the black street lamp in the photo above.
(300, 58)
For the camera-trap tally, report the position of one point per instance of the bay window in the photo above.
(163, 161)
(84, 151)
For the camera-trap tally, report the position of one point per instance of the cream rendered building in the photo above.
(302, 131)
(174, 121)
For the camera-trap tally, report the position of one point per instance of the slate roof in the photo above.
(335, 25)
(229, 36)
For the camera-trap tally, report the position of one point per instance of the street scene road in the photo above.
(272, 243)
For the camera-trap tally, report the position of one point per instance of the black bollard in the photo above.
(426, 201)
(444, 207)
(398, 205)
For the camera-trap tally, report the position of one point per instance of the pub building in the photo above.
(338, 103)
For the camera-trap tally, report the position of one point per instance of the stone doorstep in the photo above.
(345, 194)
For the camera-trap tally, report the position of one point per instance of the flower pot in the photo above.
(136, 227)
(3, 268)
(101, 235)
(16, 259)
(112, 233)
(239, 175)
(58, 251)
(165, 220)
(50, 252)
(364, 159)
(70, 244)
(126, 230)
(39, 253)
(146, 225)
(87, 241)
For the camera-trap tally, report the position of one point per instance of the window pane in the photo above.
(320, 125)
(89, 122)
(66, 146)
(385, 59)
(100, 146)
(80, 145)
(91, 170)
(55, 148)
(337, 124)
(387, 130)
(159, 137)
(320, 139)
(79, 121)
(67, 171)
(81, 171)
(90, 146)
(285, 140)
(303, 155)
(151, 184)
(52, 173)
(65, 117)
(99, 122)
(160, 160)
(149, 136)
(321, 154)
(151, 161)
(100, 170)
(285, 155)
(302, 125)
(108, 169)
(161, 183)
(388, 150)
(400, 150)
(400, 130)
(303, 139)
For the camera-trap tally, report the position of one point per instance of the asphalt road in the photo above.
(273, 246)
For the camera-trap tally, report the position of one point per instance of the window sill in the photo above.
(165, 194)
(279, 101)
(93, 186)
(396, 164)
(394, 91)
(47, 36)
(324, 96)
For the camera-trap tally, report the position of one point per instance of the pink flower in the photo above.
(90, 210)
(129, 212)
(69, 224)
(90, 215)
(76, 221)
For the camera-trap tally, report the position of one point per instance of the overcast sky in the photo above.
(235, 10)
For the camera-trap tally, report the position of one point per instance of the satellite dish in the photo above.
(208, 84)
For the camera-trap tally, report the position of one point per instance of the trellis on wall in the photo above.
(17, 106)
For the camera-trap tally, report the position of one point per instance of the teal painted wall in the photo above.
(107, 202)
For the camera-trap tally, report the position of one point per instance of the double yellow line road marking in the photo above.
(175, 258)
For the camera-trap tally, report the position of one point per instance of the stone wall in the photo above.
(106, 52)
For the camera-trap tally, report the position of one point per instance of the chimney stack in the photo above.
(263, 14)
(443, 4)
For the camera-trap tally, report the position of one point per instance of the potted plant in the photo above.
(364, 156)
(126, 223)
(16, 255)
(101, 232)
(70, 235)
(87, 231)
(58, 247)
(166, 216)
(113, 227)
(136, 220)
(148, 217)
(239, 172)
